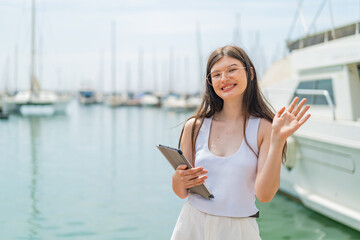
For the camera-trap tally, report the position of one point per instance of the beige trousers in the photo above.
(195, 225)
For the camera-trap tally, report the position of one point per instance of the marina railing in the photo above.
(326, 36)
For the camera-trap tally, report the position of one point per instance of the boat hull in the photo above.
(324, 176)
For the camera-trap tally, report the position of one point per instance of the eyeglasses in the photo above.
(231, 71)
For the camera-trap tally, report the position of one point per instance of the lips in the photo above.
(228, 87)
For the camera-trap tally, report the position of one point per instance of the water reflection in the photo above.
(128, 135)
(96, 174)
(114, 143)
(35, 127)
(140, 139)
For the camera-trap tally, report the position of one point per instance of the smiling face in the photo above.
(228, 78)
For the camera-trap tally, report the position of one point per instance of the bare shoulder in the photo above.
(264, 130)
(189, 124)
(186, 146)
(188, 129)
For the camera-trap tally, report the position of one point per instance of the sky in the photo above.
(157, 45)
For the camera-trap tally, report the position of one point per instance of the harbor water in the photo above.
(95, 173)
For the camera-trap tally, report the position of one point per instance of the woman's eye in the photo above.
(233, 69)
(216, 75)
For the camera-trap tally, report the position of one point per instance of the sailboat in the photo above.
(321, 169)
(35, 100)
(87, 95)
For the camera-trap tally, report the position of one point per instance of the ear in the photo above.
(252, 73)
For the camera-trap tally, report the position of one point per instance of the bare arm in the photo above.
(183, 179)
(285, 123)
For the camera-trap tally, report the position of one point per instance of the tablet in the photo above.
(176, 158)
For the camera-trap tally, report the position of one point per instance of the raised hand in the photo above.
(285, 123)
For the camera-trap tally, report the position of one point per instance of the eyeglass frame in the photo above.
(208, 79)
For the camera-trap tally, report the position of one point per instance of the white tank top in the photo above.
(231, 179)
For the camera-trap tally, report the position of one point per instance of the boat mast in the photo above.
(164, 76)
(33, 81)
(155, 77)
(141, 71)
(128, 79)
(6, 76)
(100, 79)
(187, 74)
(198, 40)
(237, 35)
(113, 58)
(357, 22)
(60, 85)
(16, 69)
(332, 21)
(171, 75)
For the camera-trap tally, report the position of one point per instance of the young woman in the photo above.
(236, 145)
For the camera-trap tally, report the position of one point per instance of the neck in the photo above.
(231, 111)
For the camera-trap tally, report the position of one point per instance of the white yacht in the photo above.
(324, 154)
(150, 99)
(174, 102)
(193, 102)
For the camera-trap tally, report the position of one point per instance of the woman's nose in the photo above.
(223, 77)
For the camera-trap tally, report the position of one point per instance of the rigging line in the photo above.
(22, 21)
(357, 22)
(332, 20)
(236, 36)
(302, 19)
(317, 15)
(113, 57)
(155, 82)
(294, 20)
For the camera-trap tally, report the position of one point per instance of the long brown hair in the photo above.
(254, 104)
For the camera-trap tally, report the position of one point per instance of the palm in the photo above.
(285, 123)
